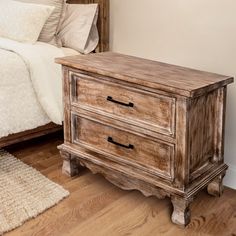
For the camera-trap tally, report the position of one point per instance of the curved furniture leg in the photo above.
(215, 188)
(70, 165)
(181, 214)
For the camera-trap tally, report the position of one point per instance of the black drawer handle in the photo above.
(110, 99)
(110, 140)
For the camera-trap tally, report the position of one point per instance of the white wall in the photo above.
(196, 33)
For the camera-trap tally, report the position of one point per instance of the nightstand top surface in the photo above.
(166, 77)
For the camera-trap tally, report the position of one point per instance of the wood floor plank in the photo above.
(119, 208)
(95, 207)
(139, 220)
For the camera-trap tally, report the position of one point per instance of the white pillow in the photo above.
(22, 22)
(50, 28)
(93, 37)
(79, 27)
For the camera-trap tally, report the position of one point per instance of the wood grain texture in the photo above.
(147, 154)
(66, 105)
(29, 134)
(202, 126)
(105, 162)
(70, 164)
(206, 141)
(97, 207)
(103, 21)
(106, 119)
(215, 188)
(123, 123)
(181, 168)
(166, 77)
(220, 125)
(126, 183)
(92, 94)
(181, 214)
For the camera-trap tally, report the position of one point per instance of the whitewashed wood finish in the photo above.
(177, 164)
(91, 94)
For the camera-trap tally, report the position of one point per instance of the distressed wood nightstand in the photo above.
(145, 125)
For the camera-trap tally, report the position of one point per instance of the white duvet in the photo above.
(30, 86)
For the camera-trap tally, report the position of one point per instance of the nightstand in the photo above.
(145, 125)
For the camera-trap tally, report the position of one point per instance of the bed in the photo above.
(103, 45)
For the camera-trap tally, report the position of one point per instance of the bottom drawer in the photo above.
(146, 153)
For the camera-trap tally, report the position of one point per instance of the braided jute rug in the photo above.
(24, 192)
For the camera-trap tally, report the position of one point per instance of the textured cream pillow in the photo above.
(22, 22)
(78, 29)
(93, 37)
(50, 28)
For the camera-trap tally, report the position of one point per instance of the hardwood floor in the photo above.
(96, 207)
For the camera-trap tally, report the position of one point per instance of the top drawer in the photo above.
(134, 106)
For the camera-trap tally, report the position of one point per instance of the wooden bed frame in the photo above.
(103, 29)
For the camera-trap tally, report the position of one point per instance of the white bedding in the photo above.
(69, 51)
(30, 86)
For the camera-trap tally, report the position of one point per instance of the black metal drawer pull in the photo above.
(110, 140)
(110, 99)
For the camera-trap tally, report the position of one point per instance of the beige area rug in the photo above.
(24, 192)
